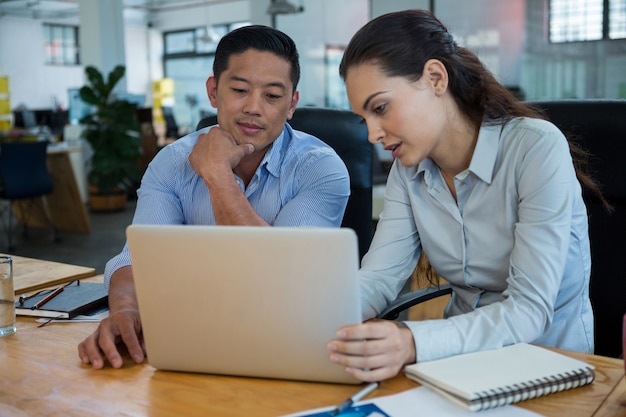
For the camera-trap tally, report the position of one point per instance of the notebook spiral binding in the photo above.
(532, 389)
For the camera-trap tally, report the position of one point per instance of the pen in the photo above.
(47, 298)
(356, 397)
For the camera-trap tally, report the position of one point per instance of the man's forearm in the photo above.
(230, 205)
(122, 295)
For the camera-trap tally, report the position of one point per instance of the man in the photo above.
(251, 169)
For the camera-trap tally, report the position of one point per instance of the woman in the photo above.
(482, 185)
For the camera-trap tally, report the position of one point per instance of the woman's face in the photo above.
(408, 118)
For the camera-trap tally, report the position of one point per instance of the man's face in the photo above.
(254, 97)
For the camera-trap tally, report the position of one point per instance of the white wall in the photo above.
(143, 59)
(36, 85)
(32, 83)
(493, 29)
(323, 22)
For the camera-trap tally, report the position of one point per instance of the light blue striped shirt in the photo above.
(301, 181)
(515, 247)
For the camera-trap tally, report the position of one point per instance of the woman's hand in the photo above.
(373, 351)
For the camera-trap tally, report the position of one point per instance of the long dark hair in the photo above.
(401, 43)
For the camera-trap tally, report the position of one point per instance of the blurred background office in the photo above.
(542, 49)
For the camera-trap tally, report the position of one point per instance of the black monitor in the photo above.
(28, 119)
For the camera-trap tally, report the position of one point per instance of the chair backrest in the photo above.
(599, 126)
(23, 170)
(344, 132)
(171, 127)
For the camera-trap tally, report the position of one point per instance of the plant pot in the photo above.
(106, 202)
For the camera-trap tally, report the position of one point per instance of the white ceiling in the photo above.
(59, 9)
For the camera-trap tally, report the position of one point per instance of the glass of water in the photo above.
(7, 297)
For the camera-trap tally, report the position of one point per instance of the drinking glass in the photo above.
(7, 297)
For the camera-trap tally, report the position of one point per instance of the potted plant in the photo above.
(112, 130)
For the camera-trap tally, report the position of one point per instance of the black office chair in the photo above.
(345, 133)
(171, 127)
(599, 126)
(24, 177)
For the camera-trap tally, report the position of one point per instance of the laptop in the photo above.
(246, 301)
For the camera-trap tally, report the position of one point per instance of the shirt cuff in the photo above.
(434, 339)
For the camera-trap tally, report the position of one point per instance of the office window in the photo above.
(576, 20)
(61, 44)
(196, 41)
(587, 20)
(336, 97)
(188, 60)
(617, 19)
(180, 42)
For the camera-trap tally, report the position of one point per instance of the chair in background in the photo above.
(24, 177)
(171, 127)
(344, 132)
(599, 126)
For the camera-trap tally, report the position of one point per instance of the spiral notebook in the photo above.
(493, 378)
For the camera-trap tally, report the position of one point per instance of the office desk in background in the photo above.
(66, 202)
(42, 375)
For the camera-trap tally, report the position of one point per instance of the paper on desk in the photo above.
(420, 401)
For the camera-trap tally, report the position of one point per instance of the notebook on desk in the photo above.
(247, 301)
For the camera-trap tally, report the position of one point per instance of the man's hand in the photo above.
(217, 153)
(122, 326)
(373, 351)
(215, 157)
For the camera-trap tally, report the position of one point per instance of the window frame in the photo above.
(195, 50)
(610, 15)
(64, 51)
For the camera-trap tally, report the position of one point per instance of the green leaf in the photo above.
(112, 130)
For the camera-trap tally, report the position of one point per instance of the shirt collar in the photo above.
(273, 157)
(486, 152)
(484, 157)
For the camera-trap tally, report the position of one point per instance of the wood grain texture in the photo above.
(33, 274)
(615, 404)
(41, 375)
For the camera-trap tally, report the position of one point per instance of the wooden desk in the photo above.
(42, 375)
(615, 404)
(33, 274)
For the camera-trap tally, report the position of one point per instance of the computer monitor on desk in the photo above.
(38, 118)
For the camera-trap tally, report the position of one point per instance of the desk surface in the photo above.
(32, 274)
(41, 375)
